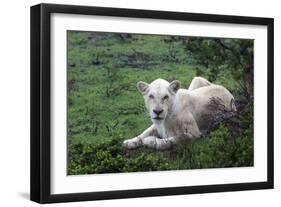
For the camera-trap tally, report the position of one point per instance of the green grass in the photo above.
(105, 108)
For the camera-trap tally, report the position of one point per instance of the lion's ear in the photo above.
(142, 87)
(174, 86)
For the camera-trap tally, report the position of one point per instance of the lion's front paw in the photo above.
(132, 143)
(150, 142)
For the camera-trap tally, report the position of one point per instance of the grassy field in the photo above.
(104, 106)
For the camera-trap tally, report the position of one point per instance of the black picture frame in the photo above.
(41, 99)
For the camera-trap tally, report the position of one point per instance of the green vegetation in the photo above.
(105, 108)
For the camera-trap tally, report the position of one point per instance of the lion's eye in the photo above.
(151, 96)
(165, 97)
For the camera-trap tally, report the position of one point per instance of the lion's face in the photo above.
(159, 97)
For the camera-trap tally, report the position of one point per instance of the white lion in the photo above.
(178, 114)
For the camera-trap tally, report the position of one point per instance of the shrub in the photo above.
(110, 157)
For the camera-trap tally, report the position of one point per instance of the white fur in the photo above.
(178, 115)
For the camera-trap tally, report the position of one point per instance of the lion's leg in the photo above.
(190, 127)
(159, 144)
(198, 82)
(138, 140)
(191, 130)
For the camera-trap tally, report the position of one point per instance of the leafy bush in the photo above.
(111, 157)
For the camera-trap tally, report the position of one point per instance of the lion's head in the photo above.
(159, 97)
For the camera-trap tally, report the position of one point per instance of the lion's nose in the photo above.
(157, 112)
